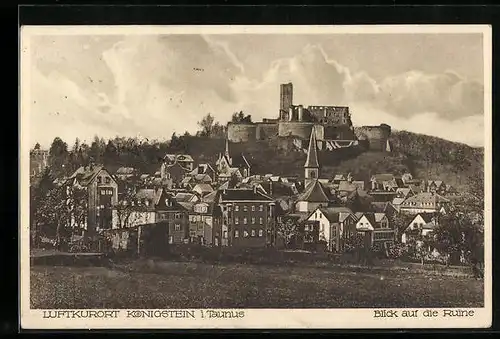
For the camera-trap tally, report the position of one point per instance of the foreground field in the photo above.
(191, 285)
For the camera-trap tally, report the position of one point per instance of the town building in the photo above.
(101, 194)
(232, 165)
(126, 173)
(204, 219)
(205, 170)
(336, 224)
(185, 160)
(173, 173)
(420, 226)
(375, 228)
(248, 218)
(425, 202)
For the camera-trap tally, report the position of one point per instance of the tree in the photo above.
(287, 229)
(240, 117)
(58, 157)
(110, 154)
(206, 125)
(60, 210)
(460, 234)
(124, 209)
(97, 149)
(37, 146)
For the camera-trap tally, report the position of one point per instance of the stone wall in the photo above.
(266, 130)
(374, 136)
(241, 132)
(293, 128)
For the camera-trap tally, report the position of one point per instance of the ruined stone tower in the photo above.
(286, 97)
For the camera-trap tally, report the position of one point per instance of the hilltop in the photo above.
(415, 153)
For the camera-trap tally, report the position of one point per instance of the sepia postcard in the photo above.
(255, 177)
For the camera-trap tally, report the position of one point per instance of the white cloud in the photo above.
(155, 85)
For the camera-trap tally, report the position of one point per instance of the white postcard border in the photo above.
(253, 318)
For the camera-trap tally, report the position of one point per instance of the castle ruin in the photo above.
(332, 126)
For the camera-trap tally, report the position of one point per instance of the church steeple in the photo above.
(311, 167)
(226, 152)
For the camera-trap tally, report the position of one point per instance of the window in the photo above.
(236, 233)
(253, 220)
(236, 220)
(316, 215)
(245, 221)
(245, 208)
(261, 220)
(107, 180)
(170, 239)
(245, 234)
(236, 208)
(253, 208)
(261, 233)
(99, 180)
(192, 233)
(177, 227)
(253, 233)
(177, 215)
(168, 202)
(110, 192)
(261, 208)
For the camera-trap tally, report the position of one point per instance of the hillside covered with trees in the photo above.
(423, 156)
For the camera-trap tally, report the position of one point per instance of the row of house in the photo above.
(228, 205)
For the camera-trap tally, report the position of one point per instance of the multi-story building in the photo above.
(336, 224)
(101, 193)
(248, 218)
(154, 207)
(425, 202)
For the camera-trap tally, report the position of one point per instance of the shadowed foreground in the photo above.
(192, 285)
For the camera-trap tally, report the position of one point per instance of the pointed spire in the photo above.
(226, 152)
(312, 153)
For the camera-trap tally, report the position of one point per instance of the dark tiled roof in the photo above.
(315, 192)
(427, 216)
(335, 214)
(85, 174)
(243, 194)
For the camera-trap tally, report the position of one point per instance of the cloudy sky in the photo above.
(153, 85)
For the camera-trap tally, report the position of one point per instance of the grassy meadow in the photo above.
(161, 284)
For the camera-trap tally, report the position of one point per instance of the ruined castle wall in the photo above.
(295, 128)
(237, 132)
(266, 130)
(375, 136)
